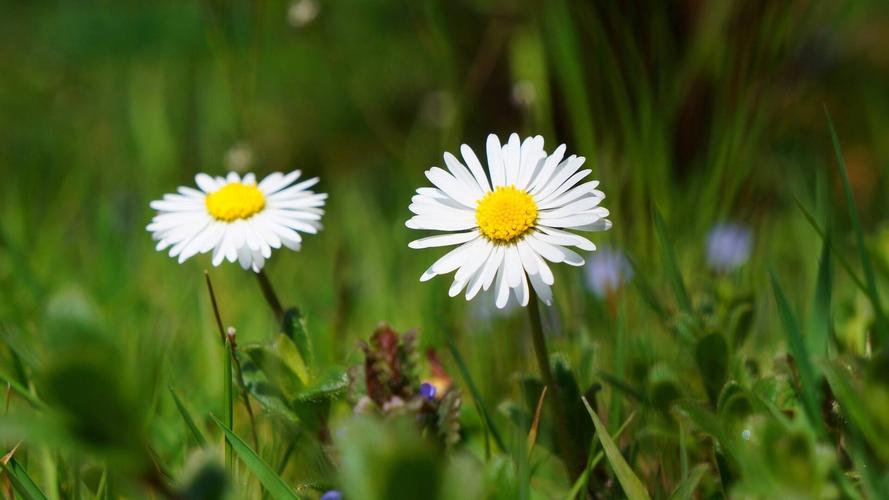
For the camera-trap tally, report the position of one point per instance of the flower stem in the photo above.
(270, 296)
(567, 448)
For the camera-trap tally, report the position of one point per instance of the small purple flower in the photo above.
(428, 391)
(607, 270)
(332, 495)
(728, 246)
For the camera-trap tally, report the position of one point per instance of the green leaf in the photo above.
(823, 234)
(272, 482)
(186, 416)
(669, 258)
(808, 381)
(630, 483)
(294, 326)
(881, 326)
(646, 291)
(21, 480)
(281, 363)
(475, 394)
(22, 391)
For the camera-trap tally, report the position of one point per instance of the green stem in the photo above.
(270, 296)
(566, 444)
(228, 404)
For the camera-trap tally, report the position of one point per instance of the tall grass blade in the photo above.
(189, 421)
(823, 234)
(272, 482)
(22, 391)
(669, 258)
(628, 480)
(809, 389)
(820, 321)
(881, 326)
(21, 480)
(486, 416)
(594, 461)
(686, 489)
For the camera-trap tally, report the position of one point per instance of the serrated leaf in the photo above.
(628, 480)
(273, 483)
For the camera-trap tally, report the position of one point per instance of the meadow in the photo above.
(728, 338)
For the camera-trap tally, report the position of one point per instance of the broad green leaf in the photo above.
(669, 262)
(294, 326)
(272, 482)
(630, 483)
(712, 358)
(281, 364)
(186, 416)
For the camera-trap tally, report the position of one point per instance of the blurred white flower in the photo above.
(509, 227)
(302, 12)
(523, 94)
(606, 271)
(237, 218)
(728, 246)
(239, 157)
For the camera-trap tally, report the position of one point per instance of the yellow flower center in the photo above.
(235, 201)
(505, 214)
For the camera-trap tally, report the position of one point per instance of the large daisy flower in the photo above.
(510, 225)
(237, 218)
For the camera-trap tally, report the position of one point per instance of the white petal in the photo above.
(544, 292)
(549, 166)
(558, 237)
(206, 183)
(475, 167)
(462, 174)
(452, 187)
(502, 288)
(443, 240)
(532, 156)
(495, 162)
(512, 159)
(513, 266)
(449, 262)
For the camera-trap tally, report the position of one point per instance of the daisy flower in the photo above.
(509, 222)
(236, 218)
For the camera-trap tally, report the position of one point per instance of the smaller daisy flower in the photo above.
(509, 225)
(236, 218)
(728, 246)
(606, 271)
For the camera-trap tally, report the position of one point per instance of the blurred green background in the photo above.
(707, 110)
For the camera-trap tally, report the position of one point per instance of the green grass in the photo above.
(764, 382)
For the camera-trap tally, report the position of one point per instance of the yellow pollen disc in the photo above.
(505, 214)
(235, 201)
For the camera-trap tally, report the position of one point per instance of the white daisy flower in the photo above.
(509, 225)
(237, 218)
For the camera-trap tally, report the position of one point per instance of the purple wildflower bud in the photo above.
(428, 391)
(607, 270)
(332, 495)
(728, 246)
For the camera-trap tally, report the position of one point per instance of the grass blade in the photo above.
(464, 371)
(670, 264)
(807, 379)
(819, 329)
(686, 489)
(823, 234)
(873, 294)
(274, 485)
(186, 416)
(582, 480)
(628, 480)
(535, 424)
(21, 480)
(22, 391)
